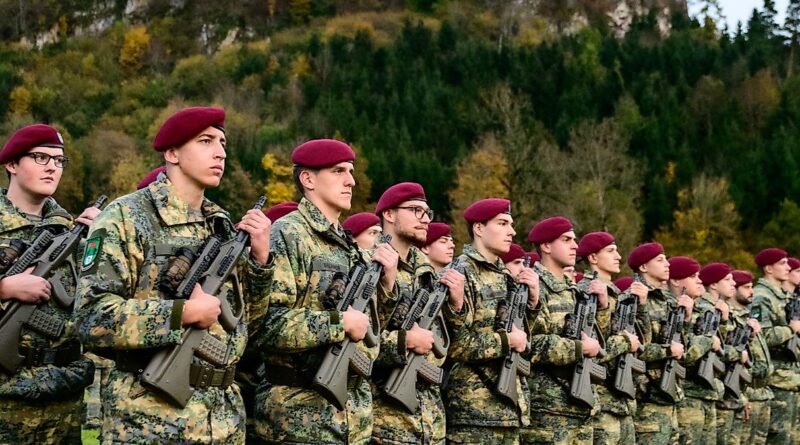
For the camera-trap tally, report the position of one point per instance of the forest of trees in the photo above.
(689, 138)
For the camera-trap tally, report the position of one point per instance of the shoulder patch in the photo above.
(92, 250)
(755, 312)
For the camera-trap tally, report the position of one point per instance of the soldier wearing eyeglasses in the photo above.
(41, 401)
(405, 215)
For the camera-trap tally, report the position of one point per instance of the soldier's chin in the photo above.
(212, 182)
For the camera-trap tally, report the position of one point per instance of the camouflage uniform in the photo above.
(122, 312)
(697, 413)
(555, 417)
(614, 423)
(656, 419)
(43, 402)
(729, 409)
(769, 303)
(759, 395)
(393, 424)
(474, 411)
(297, 331)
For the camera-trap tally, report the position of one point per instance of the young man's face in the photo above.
(657, 268)
(405, 222)
(35, 179)
(692, 284)
(779, 270)
(366, 239)
(562, 250)
(744, 294)
(440, 251)
(202, 159)
(516, 266)
(794, 277)
(607, 259)
(726, 287)
(497, 233)
(333, 186)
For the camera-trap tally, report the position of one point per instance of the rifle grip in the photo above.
(439, 350)
(59, 291)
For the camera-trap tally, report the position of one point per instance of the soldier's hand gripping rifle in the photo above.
(511, 313)
(425, 309)
(624, 319)
(737, 377)
(331, 377)
(710, 365)
(168, 372)
(587, 371)
(46, 254)
(672, 331)
(793, 313)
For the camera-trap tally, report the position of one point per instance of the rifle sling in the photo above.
(61, 356)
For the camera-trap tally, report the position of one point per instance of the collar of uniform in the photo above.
(709, 298)
(777, 291)
(175, 211)
(592, 275)
(416, 263)
(553, 284)
(470, 251)
(315, 218)
(741, 314)
(12, 219)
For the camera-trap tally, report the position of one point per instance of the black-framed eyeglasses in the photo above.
(419, 211)
(40, 158)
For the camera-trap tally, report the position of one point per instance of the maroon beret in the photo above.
(681, 267)
(514, 252)
(742, 277)
(578, 277)
(549, 229)
(278, 211)
(714, 272)
(186, 124)
(436, 230)
(644, 253)
(770, 255)
(36, 135)
(486, 209)
(151, 177)
(593, 242)
(319, 153)
(398, 194)
(794, 263)
(623, 283)
(360, 222)
(534, 256)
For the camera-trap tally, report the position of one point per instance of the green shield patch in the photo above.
(92, 250)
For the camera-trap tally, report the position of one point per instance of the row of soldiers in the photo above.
(517, 353)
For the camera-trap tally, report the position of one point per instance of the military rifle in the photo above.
(672, 331)
(710, 365)
(587, 370)
(511, 313)
(46, 254)
(624, 319)
(168, 372)
(737, 372)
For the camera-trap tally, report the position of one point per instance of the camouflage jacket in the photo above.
(761, 361)
(393, 423)
(119, 304)
(555, 356)
(44, 382)
(477, 350)
(700, 345)
(298, 329)
(615, 346)
(769, 307)
(655, 348)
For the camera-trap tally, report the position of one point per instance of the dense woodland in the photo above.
(688, 137)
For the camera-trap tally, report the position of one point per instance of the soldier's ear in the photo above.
(307, 179)
(544, 248)
(171, 155)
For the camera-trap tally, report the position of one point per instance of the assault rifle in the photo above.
(511, 313)
(793, 313)
(46, 254)
(586, 370)
(424, 310)
(736, 373)
(624, 319)
(331, 377)
(710, 365)
(672, 331)
(168, 372)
